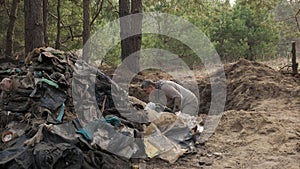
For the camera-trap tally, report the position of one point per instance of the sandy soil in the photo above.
(260, 127)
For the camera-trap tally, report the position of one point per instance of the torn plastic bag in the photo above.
(92, 158)
(158, 144)
(181, 135)
(175, 129)
(111, 140)
(51, 97)
(135, 116)
(167, 136)
(66, 130)
(157, 107)
(173, 154)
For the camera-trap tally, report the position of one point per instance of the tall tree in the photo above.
(129, 25)
(34, 26)
(124, 10)
(11, 28)
(136, 26)
(86, 29)
(58, 27)
(45, 20)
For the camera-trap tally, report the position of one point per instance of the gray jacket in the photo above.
(178, 97)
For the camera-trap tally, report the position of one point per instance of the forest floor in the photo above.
(260, 127)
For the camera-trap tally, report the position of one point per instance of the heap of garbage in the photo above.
(59, 112)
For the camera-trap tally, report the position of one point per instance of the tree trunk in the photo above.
(57, 42)
(45, 20)
(11, 28)
(250, 51)
(86, 30)
(294, 62)
(34, 26)
(131, 26)
(124, 10)
(136, 27)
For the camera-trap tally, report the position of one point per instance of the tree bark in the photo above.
(45, 20)
(86, 30)
(136, 27)
(131, 26)
(294, 62)
(11, 29)
(34, 26)
(124, 10)
(58, 27)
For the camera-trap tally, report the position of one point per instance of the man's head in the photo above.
(148, 86)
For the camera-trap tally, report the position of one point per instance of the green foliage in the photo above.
(289, 31)
(249, 29)
(19, 29)
(246, 30)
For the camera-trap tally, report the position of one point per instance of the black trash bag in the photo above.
(17, 104)
(43, 156)
(61, 155)
(104, 160)
(19, 158)
(50, 97)
(17, 155)
(59, 151)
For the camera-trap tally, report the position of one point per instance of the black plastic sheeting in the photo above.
(58, 152)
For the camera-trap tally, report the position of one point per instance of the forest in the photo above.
(255, 30)
(136, 84)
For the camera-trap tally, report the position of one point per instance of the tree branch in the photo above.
(64, 26)
(2, 2)
(298, 26)
(6, 8)
(113, 7)
(72, 38)
(98, 11)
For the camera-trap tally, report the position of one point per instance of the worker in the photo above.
(178, 98)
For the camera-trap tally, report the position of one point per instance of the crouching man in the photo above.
(178, 98)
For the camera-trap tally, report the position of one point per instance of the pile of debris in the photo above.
(59, 112)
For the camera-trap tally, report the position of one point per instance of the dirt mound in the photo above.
(258, 139)
(248, 83)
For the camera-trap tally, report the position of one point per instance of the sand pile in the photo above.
(248, 83)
